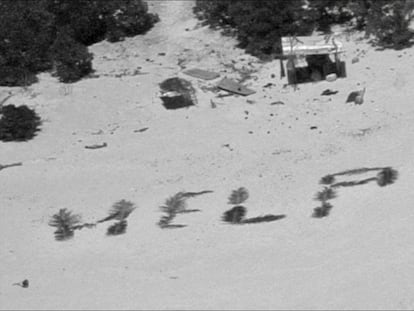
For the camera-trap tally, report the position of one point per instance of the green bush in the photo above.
(18, 123)
(72, 59)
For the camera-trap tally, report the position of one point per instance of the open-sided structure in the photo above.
(312, 58)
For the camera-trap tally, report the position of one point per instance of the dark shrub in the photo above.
(72, 59)
(16, 76)
(18, 123)
(29, 28)
(94, 20)
(234, 215)
(130, 18)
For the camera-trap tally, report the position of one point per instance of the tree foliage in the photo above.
(259, 25)
(32, 32)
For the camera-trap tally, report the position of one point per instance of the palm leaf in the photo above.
(65, 223)
(238, 196)
(325, 195)
(117, 228)
(387, 176)
(120, 210)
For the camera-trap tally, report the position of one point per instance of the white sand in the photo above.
(360, 257)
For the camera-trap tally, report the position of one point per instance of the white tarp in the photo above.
(311, 45)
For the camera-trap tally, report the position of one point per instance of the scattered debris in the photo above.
(141, 130)
(224, 95)
(331, 77)
(100, 132)
(202, 74)
(357, 97)
(10, 165)
(24, 284)
(96, 146)
(177, 93)
(269, 85)
(328, 92)
(234, 87)
(277, 103)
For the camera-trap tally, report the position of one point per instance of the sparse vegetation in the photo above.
(18, 123)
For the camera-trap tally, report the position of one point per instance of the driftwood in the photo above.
(96, 146)
(5, 99)
(10, 165)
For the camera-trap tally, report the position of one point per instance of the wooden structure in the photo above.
(312, 58)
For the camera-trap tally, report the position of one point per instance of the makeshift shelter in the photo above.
(312, 58)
